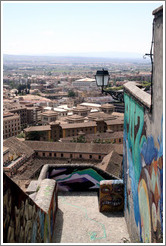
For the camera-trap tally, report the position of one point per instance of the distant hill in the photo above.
(79, 58)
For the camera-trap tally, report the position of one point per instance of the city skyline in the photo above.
(77, 28)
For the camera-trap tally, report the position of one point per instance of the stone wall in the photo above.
(26, 221)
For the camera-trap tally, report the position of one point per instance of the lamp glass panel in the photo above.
(99, 80)
(106, 80)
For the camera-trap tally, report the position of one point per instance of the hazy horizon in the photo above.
(106, 54)
(72, 59)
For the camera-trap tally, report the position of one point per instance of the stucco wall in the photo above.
(143, 152)
(143, 174)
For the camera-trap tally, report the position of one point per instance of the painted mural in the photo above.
(23, 220)
(76, 179)
(111, 196)
(143, 175)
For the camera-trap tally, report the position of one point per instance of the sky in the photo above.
(45, 28)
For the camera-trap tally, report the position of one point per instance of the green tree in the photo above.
(71, 93)
(34, 135)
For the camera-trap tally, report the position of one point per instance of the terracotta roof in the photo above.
(107, 105)
(11, 117)
(7, 114)
(80, 108)
(118, 121)
(118, 148)
(75, 117)
(112, 163)
(18, 147)
(72, 147)
(5, 149)
(100, 115)
(49, 113)
(78, 125)
(102, 135)
(37, 128)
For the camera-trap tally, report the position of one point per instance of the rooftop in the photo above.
(90, 105)
(37, 128)
(49, 113)
(80, 108)
(11, 117)
(78, 125)
(75, 117)
(72, 147)
(107, 105)
(18, 147)
(101, 115)
(118, 121)
(86, 80)
(112, 163)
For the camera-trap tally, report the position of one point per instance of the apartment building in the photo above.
(48, 116)
(11, 124)
(69, 130)
(107, 108)
(22, 111)
(75, 119)
(80, 110)
(84, 84)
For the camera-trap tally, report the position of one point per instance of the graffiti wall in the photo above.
(70, 178)
(143, 175)
(111, 196)
(23, 220)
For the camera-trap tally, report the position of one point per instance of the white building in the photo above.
(84, 84)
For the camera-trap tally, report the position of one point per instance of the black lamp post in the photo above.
(102, 78)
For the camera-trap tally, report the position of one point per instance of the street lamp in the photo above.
(102, 78)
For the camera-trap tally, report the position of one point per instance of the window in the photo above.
(80, 156)
(120, 140)
(90, 156)
(43, 154)
(71, 156)
(54, 154)
(99, 157)
(61, 155)
(50, 154)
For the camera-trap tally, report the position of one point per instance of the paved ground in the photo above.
(79, 221)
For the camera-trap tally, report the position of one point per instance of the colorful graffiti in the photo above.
(111, 196)
(23, 220)
(76, 179)
(143, 174)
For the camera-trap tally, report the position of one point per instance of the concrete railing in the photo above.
(26, 219)
(139, 95)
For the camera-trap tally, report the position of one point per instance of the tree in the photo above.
(71, 93)
(34, 135)
(29, 86)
